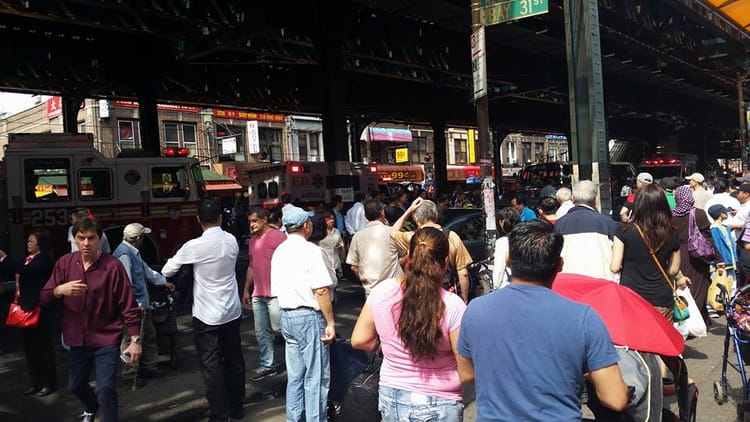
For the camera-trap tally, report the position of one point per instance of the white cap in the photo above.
(696, 177)
(645, 177)
(133, 230)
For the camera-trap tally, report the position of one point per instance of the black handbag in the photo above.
(347, 364)
(361, 400)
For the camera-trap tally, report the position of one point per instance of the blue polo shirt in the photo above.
(530, 348)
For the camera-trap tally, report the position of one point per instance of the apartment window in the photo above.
(526, 151)
(126, 134)
(418, 149)
(228, 132)
(512, 153)
(302, 141)
(313, 147)
(539, 151)
(180, 135)
(460, 149)
(270, 144)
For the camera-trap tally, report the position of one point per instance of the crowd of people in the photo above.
(416, 312)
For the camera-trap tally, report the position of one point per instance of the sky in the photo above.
(12, 103)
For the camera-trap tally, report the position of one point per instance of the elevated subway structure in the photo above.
(670, 67)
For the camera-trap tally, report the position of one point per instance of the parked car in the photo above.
(469, 224)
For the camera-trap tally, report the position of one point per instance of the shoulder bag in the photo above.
(361, 400)
(19, 318)
(698, 245)
(681, 311)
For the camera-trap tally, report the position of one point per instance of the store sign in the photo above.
(229, 145)
(479, 63)
(253, 138)
(391, 173)
(402, 155)
(248, 115)
(163, 107)
(54, 107)
(103, 109)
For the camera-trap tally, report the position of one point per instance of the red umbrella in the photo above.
(631, 321)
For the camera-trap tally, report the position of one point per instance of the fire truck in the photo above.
(306, 182)
(670, 164)
(46, 176)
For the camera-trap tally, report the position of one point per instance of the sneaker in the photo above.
(87, 417)
(262, 373)
(713, 314)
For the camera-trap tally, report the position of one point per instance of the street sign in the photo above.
(479, 63)
(402, 155)
(494, 11)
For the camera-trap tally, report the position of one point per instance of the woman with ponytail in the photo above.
(417, 322)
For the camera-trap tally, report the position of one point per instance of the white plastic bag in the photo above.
(695, 325)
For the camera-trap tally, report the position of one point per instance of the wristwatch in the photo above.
(135, 339)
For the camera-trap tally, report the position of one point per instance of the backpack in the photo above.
(450, 278)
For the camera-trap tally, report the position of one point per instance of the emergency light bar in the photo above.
(176, 152)
(661, 161)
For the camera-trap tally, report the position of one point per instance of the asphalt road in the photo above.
(178, 396)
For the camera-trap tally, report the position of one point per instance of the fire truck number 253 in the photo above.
(49, 217)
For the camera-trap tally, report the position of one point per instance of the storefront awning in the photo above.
(386, 134)
(217, 181)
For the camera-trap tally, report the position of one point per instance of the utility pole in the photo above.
(479, 66)
(743, 119)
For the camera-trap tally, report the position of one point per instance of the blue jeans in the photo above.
(307, 365)
(405, 406)
(266, 317)
(106, 359)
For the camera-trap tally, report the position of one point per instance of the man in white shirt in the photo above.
(216, 312)
(355, 218)
(723, 196)
(300, 280)
(564, 197)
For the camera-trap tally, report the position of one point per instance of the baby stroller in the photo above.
(737, 310)
(165, 321)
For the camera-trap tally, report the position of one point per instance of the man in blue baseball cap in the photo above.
(300, 280)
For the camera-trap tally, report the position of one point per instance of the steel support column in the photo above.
(589, 144)
(439, 153)
(71, 105)
(329, 45)
(498, 136)
(149, 121)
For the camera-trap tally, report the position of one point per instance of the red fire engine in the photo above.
(46, 176)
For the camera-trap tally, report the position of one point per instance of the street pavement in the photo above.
(178, 396)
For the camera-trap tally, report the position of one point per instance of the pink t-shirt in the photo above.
(259, 252)
(436, 377)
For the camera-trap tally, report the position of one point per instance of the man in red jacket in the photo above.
(97, 303)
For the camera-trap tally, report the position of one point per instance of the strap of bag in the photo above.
(656, 261)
